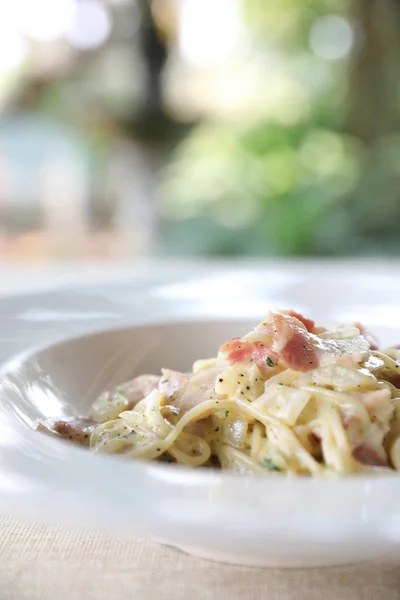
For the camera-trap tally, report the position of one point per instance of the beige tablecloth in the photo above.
(44, 562)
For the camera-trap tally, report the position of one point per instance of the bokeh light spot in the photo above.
(90, 25)
(331, 37)
(208, 31)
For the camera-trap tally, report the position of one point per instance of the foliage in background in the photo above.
(318, 175)
(258, 127)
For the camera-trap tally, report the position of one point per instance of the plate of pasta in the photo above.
(289, 397)
(269, 439)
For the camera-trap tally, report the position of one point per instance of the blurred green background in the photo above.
(199, 128)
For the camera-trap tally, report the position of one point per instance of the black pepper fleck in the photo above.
(220, 380)
(247, 387)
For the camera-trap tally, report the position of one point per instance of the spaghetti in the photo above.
(288, 397)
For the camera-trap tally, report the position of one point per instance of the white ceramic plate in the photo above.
(270, 521)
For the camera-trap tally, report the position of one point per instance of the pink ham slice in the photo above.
(369, 456)
(76, 430)
(184, 391)
(373, 342)
(295, 346)
(241, 350)
(308, 323)
(171, 382)
(285, 340)
(136, 389)
(79, 430)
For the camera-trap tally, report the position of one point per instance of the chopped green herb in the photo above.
(226, 413)
(265, 436)
(252, 360)
(269, 362)
(165, 381)
(268, 464)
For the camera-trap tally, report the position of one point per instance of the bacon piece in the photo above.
(242, 350)
(199, 388)
(373, 342)
(184, 391)
(77, 430)
(309, 324)
(286, 341)
(136, 389)
(171, 382)
(375, 399)
(294, 345)
(123, 397)
(281, 337)
(369, 456)
(349, 420)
